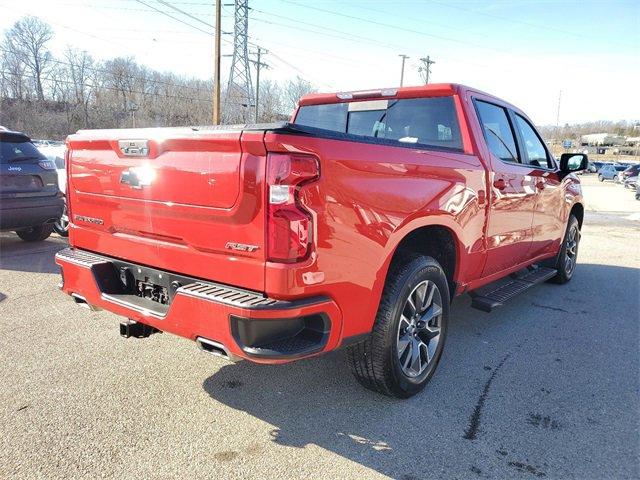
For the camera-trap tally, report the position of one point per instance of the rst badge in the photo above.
(241, 247)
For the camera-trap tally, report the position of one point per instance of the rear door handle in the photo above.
(499, 183)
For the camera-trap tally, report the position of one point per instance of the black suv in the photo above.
(30, 201)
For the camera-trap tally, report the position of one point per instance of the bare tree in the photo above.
(76, 91)
(12, 74)
(293, 90)
(27, 40)
(80, 75)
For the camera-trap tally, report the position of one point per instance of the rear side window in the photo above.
(497, 131)
(329, 117)
(15, 149)
(422, 121)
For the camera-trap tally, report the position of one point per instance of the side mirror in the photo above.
(573, 162)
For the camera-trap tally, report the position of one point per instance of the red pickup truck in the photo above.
(354, 225)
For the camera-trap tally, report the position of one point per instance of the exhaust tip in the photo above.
(214, 348)
(80, 300)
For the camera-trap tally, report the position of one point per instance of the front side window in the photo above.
(497, 131)
(423, 121)
(536, 153)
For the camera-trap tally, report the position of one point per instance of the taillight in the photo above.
(67, 188)
(289, 224)
(47, 164)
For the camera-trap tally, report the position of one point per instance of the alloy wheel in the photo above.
(573, 238)
(419, 328)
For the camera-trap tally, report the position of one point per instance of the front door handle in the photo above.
(540, 184)
(499, 183)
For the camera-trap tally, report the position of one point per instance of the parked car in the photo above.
(611, 172)
(56, 154)
(630, 182)
(30, 201)
(637, 190)
(353, 226)
(630, 171)
(592, 168)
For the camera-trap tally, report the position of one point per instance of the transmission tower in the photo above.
(239, 100)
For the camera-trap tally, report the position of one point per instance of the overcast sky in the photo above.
(523, 51)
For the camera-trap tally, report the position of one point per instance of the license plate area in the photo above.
(138, 287)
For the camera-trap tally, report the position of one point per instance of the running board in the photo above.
(495, 298)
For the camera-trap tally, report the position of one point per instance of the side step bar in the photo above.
(495, 298)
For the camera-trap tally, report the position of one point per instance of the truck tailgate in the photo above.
(179, 199)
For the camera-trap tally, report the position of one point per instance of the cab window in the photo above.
(422, 121)
(497, 131)
(532, 144)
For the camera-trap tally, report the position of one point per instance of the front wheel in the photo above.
(615, 179)
(601, 178)
(405, 346)
(568, 256)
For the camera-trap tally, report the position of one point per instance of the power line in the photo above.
(186, 14)
(393, 26)
(174, 18)
(510, 20)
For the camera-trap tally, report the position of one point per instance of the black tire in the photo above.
(601, 178)
(376, 361)
(36, 234)
(568, 256)
(615, 179)
(61, 227)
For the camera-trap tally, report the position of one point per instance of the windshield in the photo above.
(20, 149)
(620, 168)
(422, 121)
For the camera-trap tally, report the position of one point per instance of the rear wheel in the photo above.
(36, 234)
(405, 346)
(61, 226)
(568, 256)
(615, 179)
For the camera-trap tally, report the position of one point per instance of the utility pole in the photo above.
(558, 117)
(425, 70)
(259, 65)
(404, 57)
(216, 66)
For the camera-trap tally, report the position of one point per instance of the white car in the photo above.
(56, 153)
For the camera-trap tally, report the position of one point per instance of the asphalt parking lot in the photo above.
(546, 387)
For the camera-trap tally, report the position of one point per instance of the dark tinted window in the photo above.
(497, 131)
(15, 148)
(330, 117)
(536, 153)
(425, 121)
